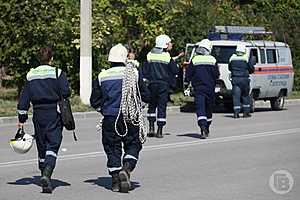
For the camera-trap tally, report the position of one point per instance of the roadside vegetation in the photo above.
(8, 103)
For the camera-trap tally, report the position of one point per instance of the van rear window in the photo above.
(223, 53)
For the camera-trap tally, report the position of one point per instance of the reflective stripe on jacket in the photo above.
(42, 90)
(240, 66)
(159, 68)
(107, 91)
(202, 72)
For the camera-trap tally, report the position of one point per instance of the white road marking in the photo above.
(163, 146)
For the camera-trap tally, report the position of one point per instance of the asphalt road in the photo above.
(236, 162)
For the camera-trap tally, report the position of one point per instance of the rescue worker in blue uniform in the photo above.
(203, 72)
(106, 99)
(159, 70)
(240, 66)
(41, 90)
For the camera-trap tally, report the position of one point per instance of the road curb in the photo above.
(94, 114)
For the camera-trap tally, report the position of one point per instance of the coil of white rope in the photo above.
(131, 106)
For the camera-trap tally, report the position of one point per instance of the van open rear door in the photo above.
(189, 54)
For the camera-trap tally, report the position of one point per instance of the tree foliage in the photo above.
(28, 25)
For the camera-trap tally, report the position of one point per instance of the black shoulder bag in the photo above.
(65, 110)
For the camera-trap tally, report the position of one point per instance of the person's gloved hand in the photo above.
(187, 92)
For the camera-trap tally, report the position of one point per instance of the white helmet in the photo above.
(206, 44)
(162, 41)
(241, 48)
(22, 145)
(118, 53)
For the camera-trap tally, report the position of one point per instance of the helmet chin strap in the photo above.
(22, 142)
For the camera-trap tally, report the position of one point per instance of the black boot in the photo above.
(46, 180)
(236, 115)
(207, 133)
(159, 133)
(151, 132)
(204, 132)
(124, 175)
(115, 182)
(246, 114)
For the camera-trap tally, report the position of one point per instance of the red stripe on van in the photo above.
(274, 70)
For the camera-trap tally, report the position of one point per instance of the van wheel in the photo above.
(252, 103)
(277, 103)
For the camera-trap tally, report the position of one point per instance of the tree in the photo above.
(135, 23)
(29, 25)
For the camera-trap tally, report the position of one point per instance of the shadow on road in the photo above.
(36, 181)
(192, 135)
(257, 110)
(231, 116)
(105, 182)
(266, 110)
(190, 108)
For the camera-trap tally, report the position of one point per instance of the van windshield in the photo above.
(223, 53)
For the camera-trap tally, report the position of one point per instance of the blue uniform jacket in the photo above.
(159, 68)
(203, 72)
(41, 89)
(240, 66)
(107, 91)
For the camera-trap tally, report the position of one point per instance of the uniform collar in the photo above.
(157, 50)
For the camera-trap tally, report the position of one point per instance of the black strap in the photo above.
(61, 97)
(20, 133)
(58, 86)
(74, 135)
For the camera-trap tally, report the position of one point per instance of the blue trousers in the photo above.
(204, 106)
(240, 91)
(112, 144)
(48, 133)
(159, 99)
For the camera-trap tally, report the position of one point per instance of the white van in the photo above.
(273, 77)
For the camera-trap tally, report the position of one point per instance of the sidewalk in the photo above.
(94, 114)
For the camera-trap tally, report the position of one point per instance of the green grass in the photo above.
(8, 94)
(294, 95)
(179, 99)
(78, 106)
(7, 108)
(8, 103)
